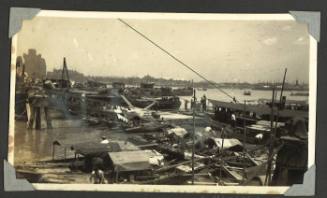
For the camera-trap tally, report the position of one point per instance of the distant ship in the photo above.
(299, 94)
(247, 93)
(163, 103)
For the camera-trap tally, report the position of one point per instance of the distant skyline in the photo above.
(222, 51)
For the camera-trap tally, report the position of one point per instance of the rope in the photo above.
(176, 59)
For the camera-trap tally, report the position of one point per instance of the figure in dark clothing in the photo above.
(204, 102)
(291, 163)
(192, 103)
(292, 158)
(186, 104)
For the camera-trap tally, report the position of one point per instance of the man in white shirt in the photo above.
(104, 140)
(233, 118)
(97, 176)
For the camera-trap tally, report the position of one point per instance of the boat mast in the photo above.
(281, 91)
(273, 129)
(271, 138)
(193, 135)
(221, 162)
(280, 98)
(244, 137)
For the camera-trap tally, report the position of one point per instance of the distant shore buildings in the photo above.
(35, 65)
(79, 77)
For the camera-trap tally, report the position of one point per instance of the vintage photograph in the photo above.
(163, 99)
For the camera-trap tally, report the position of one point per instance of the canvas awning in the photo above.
(228, 143)
(258, 127)
(268, 123)
(178, 131)
(130, 160)
(264, 126)
(96, 148)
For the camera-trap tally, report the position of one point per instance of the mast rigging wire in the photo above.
(176, 59)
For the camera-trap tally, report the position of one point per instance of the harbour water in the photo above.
(215, 94)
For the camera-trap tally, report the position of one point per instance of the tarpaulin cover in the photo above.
(228, 143)
(178, 131)
(94, 148)
(130, 160)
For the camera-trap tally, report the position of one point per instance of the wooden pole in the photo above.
(270, 157)
(268, 172)
(117, 175)
(244, 136)
(53, 151)
(244, 129)
(281, 92)
(62, 73)
(38, 118)
(221, 154)
(193, 135)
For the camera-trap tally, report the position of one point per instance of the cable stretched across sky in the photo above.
(177, 59)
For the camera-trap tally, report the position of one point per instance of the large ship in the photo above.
(147, 93)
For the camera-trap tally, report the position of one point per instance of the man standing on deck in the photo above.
(186, 104)
(192, 104)
(292, 158)
(104, 140)
(233, 119)
(204, 102)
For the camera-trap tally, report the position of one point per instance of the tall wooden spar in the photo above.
(273, 118)
(193, 134)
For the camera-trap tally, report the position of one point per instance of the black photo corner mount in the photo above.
(18, 14)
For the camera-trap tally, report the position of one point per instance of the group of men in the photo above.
(97, 175)
(203, 102)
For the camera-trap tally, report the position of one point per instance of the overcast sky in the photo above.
(223, 51)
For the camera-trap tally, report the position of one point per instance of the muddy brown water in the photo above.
(33, 145)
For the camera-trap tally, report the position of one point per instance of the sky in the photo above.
(222, 51)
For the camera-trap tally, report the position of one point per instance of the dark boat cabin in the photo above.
(147, 85)
(118, 85)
